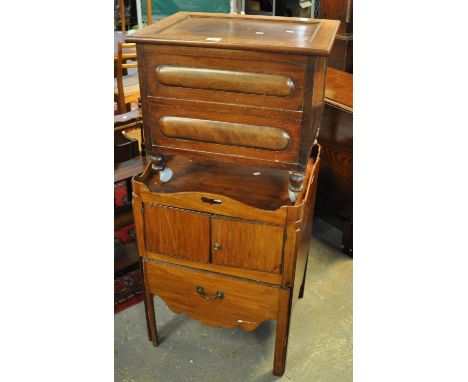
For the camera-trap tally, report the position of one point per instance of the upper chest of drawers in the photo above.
(236, 88)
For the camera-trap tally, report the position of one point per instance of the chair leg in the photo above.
(121, 106)
(282, 333)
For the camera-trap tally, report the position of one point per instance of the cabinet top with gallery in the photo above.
(247, 32)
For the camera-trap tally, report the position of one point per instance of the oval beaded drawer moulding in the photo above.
(225, 80)
(225, 133)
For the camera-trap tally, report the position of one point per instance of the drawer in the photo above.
(212, 298)
(208, 128)
(247, 245)
(175, 232)
(253, 79)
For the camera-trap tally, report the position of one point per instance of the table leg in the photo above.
(347, 238)
(301, 291)
(150, 317)
(282, 333)
(146, 305)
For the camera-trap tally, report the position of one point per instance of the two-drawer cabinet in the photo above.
(241, 89)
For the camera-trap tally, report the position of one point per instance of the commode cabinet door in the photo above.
(175, 232)
(249, 245)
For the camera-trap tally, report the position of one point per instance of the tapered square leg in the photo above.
(146, 305)
(150, 317)
(282, 333)
(301, 291)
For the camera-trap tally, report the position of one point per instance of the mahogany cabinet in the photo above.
(226, 261)
(231, 108)
(335, 186)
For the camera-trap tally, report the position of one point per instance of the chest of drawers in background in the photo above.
(231, 105)
(335, 186)
(341, 57)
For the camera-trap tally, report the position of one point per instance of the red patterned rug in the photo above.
(128, 290)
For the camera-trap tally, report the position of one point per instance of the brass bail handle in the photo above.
(201, 291)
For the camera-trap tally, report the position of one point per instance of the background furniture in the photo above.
(335, 186)
(231, 106)
(128, 14)
(128, 279)
(341, 57)
(126, 85)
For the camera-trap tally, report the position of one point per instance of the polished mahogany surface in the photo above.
(234, 181)
(286, 34)
(339, 88)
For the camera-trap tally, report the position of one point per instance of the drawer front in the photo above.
(174, 232)
(206, 129)
(247, 245)
(239, 302)
(176, 72)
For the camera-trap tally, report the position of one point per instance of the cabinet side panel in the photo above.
(313, 106)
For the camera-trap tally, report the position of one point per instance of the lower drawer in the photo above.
(214, 299)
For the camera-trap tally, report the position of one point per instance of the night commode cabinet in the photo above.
(224, 244)
(231, 109)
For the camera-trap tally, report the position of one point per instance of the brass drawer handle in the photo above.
(217, 246)
(201, 291)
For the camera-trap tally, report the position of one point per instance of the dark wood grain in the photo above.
(247, 32)
(129, 168)
(234, 181)
(225, 80)
(335, 186)
(225, 133)
(281, 86)
(341, 56)
(227, 76)
(339, 89)
(162, 144)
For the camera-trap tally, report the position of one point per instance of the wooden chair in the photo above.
(126, 86)
(149, 14)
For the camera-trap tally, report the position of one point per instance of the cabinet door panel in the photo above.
(248, 245)
(170, 231)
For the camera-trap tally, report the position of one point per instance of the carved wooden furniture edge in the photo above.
(338, 105)
(327, 28)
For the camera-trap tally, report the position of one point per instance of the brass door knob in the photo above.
(217, 246)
